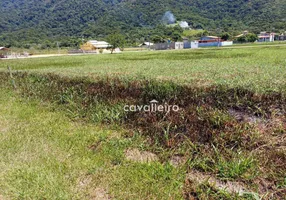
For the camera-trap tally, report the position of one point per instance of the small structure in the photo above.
(179, 45)
(3, 52)
(191, 44)
(95, 46)
(146, 44)
(213, 41)
(195, 44)
(176, 45)
(281, 37)
(164, 46)
(226, 43)
(210, 41)
(266, 37)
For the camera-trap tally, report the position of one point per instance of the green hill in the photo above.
(31, 21)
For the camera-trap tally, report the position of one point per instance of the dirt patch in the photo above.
(196, 178)
(269, 189)
(176, 161)
(100, 194)
(244, 117)
(85, 182)
(264, 185)
(140, 156)
(274, 121)
(4, 128)
(86, 185)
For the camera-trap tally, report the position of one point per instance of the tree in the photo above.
(116, 40)
(225, 36)
(176, 37)
(242, 39)
(178, 29)
(202, 33)
(157, 39)
(251, 37)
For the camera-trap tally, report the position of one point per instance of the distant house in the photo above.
(3, 49)
(3, 52)
(281, 37)
(94, 45)
(213, 41)
(266, 37)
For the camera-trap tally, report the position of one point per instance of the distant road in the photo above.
(42, 56)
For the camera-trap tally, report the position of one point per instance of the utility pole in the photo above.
(218, 39)
(82, 41)
(149, 41)
(58, 47)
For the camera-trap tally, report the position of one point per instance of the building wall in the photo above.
(210, 44)
(195, 45)
(191, 45)
(263, 40)
(268, 39)
(272, 38)
(179, 45)
(163, 46)
(227, 43)
(187, 45)
(216, 44)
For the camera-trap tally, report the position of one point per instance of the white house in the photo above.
(94, 45)
(266, 37)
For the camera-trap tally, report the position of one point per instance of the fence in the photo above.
(210, 44)
(80, 51)
(163, 46)
(175, 45)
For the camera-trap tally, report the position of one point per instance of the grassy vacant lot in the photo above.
(65, 135)
(260, 69)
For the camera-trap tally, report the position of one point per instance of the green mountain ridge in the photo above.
(33, 21)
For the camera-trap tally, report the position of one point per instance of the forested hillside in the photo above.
(31, 21)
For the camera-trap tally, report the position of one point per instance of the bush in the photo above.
(250, 37)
